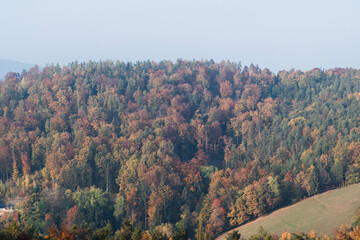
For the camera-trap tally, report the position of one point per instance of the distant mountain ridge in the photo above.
(12, 66)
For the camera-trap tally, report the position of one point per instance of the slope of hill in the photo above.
(323, 213)
(12, 66)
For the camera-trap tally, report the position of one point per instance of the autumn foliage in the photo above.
(196, 144)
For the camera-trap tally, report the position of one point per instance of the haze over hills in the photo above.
(12, 66)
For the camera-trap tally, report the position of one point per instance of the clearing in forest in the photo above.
(323, 213)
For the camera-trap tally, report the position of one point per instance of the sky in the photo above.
(276, 34)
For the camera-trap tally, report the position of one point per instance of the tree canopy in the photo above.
(197, 145)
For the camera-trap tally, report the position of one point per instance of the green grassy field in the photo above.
(323, 213)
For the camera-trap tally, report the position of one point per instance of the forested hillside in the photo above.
(191, 145)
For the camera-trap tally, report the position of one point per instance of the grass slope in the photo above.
(323, 213)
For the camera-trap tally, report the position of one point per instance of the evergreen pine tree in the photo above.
(314, 181)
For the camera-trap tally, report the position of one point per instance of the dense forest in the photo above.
(192, 145)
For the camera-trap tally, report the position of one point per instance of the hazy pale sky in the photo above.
(275, 34)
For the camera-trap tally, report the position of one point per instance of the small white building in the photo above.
(5, 210)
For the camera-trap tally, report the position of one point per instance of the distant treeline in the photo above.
(193, 145)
